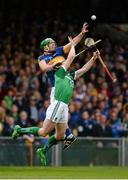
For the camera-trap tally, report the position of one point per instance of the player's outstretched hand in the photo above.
(96, 54)
(71, 40)
(84, 28)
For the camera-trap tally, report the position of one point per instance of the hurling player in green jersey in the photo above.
(57, 112)
(51, 52)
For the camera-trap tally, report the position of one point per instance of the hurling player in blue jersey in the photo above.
(52, 52)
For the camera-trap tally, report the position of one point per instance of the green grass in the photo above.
(63, 172)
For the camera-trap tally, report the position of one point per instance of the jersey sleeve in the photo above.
(73, 74)
(40, 58)
(66, 49)
(61, 72)
(63, 50)
(45, 58)
(60, 50)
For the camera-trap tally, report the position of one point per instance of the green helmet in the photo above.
(45, 42)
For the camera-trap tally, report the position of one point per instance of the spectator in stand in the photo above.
(23, 120)
(102, 128)
(4, 106)
(2, 119)
(119, 107)
(9, 124)
(12, 75)
(3, 86)
(117, 127)
(14, 111)
(42, 111)
(125, 120)
(33, 111)
(38, 97)
(103, 106)
(75, 113)
(84, 126)
(118, 70)
(21, 102)
(9, 98)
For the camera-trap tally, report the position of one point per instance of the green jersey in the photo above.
(64, 85)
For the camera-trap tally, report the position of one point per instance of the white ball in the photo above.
(93, 17)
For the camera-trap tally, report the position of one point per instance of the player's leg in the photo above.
(68, 142)
(53, 114)
(68, 133)
(60, 130)
(48, 126)
(69, 137)
(61, 116)
(18, 131)
(57, 137)
(53, 140)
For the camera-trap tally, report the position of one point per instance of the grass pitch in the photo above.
(64, 172)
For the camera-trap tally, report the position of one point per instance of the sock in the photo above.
(31, 130)
(51, 141)
(68, 133)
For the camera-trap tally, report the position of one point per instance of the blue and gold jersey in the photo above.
(59, 53)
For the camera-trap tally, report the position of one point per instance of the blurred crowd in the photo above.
(99, 108)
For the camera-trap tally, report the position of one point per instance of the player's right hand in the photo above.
(96, 54)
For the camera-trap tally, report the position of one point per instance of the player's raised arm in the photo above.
(77, 39)
(71, 54)
(87, 66)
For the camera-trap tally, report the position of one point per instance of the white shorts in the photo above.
(52, 98)
(57, 112)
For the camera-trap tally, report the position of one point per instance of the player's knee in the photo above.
(59, 136)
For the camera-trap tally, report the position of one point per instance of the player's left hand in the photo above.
(71, 40)
(84, 28)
